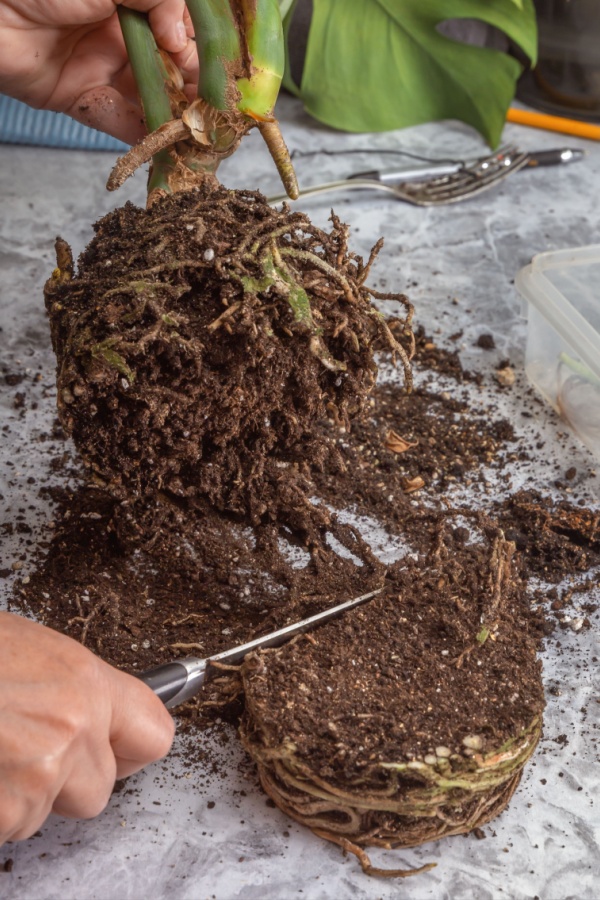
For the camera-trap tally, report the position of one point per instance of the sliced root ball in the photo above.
(409, 718)
(204, 337)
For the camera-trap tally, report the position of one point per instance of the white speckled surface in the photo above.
(162, 840)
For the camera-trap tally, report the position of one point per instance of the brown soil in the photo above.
(200, 340)
(412, 716)
(204, 584)
(205, 581)
(553, 538)
(205, 525)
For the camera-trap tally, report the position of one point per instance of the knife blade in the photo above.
(180, 680)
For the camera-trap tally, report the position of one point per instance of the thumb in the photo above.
(166, 20)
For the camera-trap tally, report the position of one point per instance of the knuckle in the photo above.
(88, 669)
(74, 721)
(44, 774)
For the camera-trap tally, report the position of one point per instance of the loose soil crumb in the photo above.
(486, 342)
(553, 538)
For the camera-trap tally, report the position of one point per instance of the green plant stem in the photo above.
(241, 53)
(263, 34)
(241, 56)
(579, 368)
(218, 43)
(151, 78)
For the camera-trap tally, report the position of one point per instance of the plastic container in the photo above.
(561, 302)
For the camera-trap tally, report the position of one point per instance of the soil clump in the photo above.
(199, 342)
(411, 717)
(552, 537)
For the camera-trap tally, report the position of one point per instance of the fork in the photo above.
(469, 180)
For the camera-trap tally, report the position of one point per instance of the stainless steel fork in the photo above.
(468, 180)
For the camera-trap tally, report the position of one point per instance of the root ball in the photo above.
(411, 717)
(199, 341)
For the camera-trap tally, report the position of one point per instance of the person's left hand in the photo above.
(69, 56)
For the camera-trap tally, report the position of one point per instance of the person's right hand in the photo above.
(70, 725)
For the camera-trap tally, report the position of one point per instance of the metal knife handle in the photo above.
(554, 157)
(176, 682)
(409, 173)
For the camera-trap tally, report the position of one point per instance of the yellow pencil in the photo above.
(553, 123)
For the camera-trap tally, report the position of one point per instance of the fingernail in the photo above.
(180, 35)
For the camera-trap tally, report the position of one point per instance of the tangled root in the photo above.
(199, 342)
(408, 719)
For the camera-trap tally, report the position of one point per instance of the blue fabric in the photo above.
(20, 124)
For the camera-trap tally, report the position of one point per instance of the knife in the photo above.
(535, 158)
(180, 680)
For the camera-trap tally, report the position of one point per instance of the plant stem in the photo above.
(218, 43)
(241, 53)
(262, 34)
(151, 78)
(579, 368)
(241, 56)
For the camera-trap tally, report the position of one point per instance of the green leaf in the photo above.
(378, 65)
(287, 9)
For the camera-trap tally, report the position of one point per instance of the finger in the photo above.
(187, 62)
(141, 729)
(107, 110)
(166, 20)
(89, 784)
(187, 21)
(29, 824)
(30, 766)
(16, 811)
(125, 767)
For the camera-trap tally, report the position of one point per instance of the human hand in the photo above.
(69, 56)
(70, 725)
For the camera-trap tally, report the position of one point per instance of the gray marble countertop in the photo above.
(162, 839)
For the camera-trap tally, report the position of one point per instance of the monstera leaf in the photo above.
(376, 65)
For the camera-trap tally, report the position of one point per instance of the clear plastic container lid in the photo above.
(564, 286)
(562, 358)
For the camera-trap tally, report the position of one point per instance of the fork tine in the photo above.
(467, 183)
(489, 179)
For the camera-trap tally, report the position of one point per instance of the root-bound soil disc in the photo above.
(411, 717)
(199, 342)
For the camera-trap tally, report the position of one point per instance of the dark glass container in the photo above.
(566, 79)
